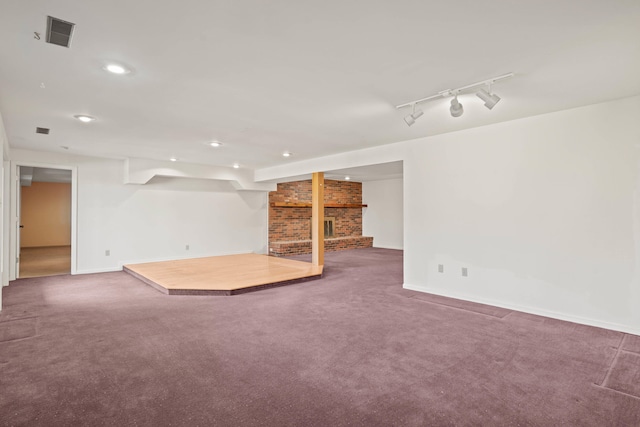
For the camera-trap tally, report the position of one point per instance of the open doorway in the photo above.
(45, 219)
(383, 193)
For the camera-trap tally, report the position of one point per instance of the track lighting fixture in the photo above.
(411, 118)
(490, 99)
(456, 108)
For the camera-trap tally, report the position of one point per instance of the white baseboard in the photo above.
(97, 270)
(176, 258)
(629, 329)
(141, 261)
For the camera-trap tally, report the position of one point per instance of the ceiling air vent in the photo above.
(59, 31)
(44, 131)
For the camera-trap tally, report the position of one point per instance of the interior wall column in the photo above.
(317, 218)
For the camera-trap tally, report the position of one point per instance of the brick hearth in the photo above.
(304, 246)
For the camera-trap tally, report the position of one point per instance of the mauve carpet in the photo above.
(352, 349)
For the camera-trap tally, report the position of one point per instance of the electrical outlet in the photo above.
(440, 268)
(187, 247)
(107, 252)
(465, 273)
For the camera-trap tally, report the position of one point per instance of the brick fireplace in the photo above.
(290, 217)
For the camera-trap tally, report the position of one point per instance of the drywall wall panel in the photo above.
(383, 217)
(543, 213)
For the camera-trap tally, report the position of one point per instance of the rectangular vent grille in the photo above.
(44, 131)
(59, 31)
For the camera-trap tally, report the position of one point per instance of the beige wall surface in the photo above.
(46, 215)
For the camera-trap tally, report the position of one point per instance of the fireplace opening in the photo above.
(329, 224)
(329, 227)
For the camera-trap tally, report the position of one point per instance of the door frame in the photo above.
(14, 250)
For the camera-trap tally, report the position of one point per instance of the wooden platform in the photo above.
(223, 275)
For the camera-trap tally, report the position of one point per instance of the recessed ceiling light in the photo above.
(84, 118)
(173, 159)
(116, 69)
(286, 154)
(215, 143)
(236, 166)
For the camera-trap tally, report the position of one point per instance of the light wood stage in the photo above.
(223, 275)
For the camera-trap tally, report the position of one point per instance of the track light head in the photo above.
(411, 118)
(456, 108)
(490, 99)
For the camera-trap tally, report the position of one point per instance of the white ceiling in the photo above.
(313, 78)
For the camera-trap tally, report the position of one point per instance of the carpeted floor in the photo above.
(352, 349)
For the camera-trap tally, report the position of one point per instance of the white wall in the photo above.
(543, 211)
(383, 216)
(156, 221)
(4, 210)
